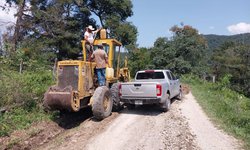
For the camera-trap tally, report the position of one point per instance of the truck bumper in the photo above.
(140, 101)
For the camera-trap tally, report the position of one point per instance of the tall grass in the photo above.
(21, 96)
(227, 108)
(20, 118)
(23, 88)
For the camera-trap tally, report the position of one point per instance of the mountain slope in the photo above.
(214, 41)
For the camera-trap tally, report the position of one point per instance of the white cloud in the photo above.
(241, 27)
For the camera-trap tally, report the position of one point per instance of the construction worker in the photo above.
(101, 59)
(89, 36)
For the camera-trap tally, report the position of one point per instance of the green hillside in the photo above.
(214, 41)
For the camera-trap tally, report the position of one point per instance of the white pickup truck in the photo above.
(151, 87)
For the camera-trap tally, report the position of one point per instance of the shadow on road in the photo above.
(149, 110)
(68, 120)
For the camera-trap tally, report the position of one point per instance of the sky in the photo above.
(6, 16)
(154, 18)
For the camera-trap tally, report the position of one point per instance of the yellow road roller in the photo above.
(77, 85)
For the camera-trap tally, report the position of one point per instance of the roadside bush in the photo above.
(20, 118)
(20, 89)
(226, 107)
(21, 94)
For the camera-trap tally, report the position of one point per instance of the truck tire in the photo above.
(115, 97)
(180, 95)
(102, 103)
(166, 106)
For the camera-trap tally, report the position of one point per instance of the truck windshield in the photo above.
(149, 75)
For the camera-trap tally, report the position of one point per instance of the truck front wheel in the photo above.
(102, 103)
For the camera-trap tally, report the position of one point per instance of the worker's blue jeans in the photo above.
(101, 76)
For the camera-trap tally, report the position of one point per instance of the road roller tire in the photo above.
(102, 103)
(115, 97)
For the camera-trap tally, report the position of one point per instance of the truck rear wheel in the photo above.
(102, 103)
(180, 96)
(115, 97)
(166, 106)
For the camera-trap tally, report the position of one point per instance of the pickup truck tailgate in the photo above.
(142, 89)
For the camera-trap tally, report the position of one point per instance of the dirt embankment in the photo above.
(185, 126)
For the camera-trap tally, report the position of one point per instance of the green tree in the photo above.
(105, 9)
(57, 26)
(164, 56)
(183, 53)
(139, 59)
(20, 22)
(112, 15)
(234, 59)
(125, 32)
(191, 46)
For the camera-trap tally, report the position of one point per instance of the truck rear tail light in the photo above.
(120, 90)
(158, 90)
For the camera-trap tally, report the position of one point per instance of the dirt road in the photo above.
(185, 126)
(207, 135)
(146, 128)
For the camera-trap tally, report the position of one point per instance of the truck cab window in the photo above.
(169, 75)
(173, 77)
(150, 75)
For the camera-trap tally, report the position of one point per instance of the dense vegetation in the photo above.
(21, 93)
(215, 41)
(184, 53)
(233, 59)
(188, 52)
(57, 27)
(45, 30)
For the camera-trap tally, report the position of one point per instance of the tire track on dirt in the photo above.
(185, 126)
(78, 137)
(145, 129)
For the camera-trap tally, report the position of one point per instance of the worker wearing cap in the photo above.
(89, 36)
(101, 59)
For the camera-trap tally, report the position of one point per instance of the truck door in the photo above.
(171, 84)
(176, 84)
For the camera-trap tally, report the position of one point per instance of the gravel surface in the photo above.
(145, 128)
(184, 126)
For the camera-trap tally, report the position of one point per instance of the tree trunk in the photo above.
(21, 67)
(20, 13)
(213, 78)
(101, 20)
(55, 70)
